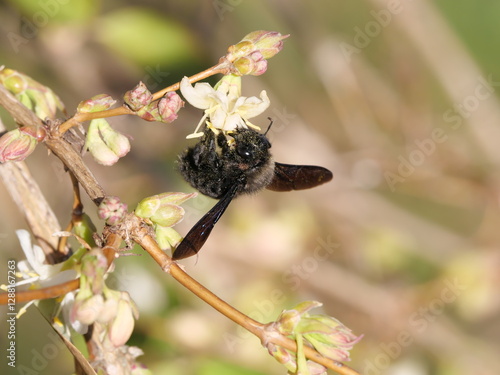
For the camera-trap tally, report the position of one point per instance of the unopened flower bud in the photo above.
(250, 54)
(138, 97)
(112, 210)
(109, 310)
(122, 326)
(149, 112)
(229, 85)
(269, 43)
(326, 334)
(37, 97)
(13, 81)
(283, 356)
(105, 144)
(239, 50)
(93, 268)
(18, 144)
(169, 105)
(163, 110)
(252, 64)
(167, 237)
(85, 228)
(163, 209)
(37, 132)
(289, 319)
(96, 103)
(289, 360)
(87, 311)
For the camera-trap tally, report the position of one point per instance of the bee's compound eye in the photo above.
(244, 150)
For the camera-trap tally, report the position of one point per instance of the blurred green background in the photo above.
(398, 98)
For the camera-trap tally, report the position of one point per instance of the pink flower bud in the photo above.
(112, 210)
(252, 64)
(169, 105)
(138, 97)
(149, 112)
(18, 144)
(37, 132)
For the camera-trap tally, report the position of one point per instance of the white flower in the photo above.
(33, 268)
(34, 271)
(223, 105)
(66, 307)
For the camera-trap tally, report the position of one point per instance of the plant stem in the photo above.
(124, 110)
(171, 267)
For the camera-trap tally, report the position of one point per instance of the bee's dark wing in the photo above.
(198, 234)
(298, 177)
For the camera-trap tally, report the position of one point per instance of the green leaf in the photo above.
(145, 37)
(42, 13)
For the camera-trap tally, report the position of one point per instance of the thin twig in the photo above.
(124, 110)
(110, 249)
(73, 161)
(25, 191)
(166, 263)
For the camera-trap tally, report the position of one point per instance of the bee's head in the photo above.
(250, 147)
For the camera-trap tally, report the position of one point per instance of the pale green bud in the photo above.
(105, 144)
(167, 237)
(163, 209)
(35, 96)
(85, 229)
(96, 103)
(250, 54)
(121, 327)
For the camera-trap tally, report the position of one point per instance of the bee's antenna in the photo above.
(270, 124)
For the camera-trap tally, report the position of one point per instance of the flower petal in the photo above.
(253, 106)
(234, 121)
(218, 118)
(35, 255)
(66, 306)
(199, 96)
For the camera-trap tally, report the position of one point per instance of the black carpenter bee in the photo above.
(226, 165)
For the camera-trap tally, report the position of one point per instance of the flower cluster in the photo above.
(164, 211)
(327, 335)
(225, 108)
(249, 56)
(141, 101)
(112, 314)
(37, 97)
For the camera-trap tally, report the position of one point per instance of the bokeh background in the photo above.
(398, 98)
